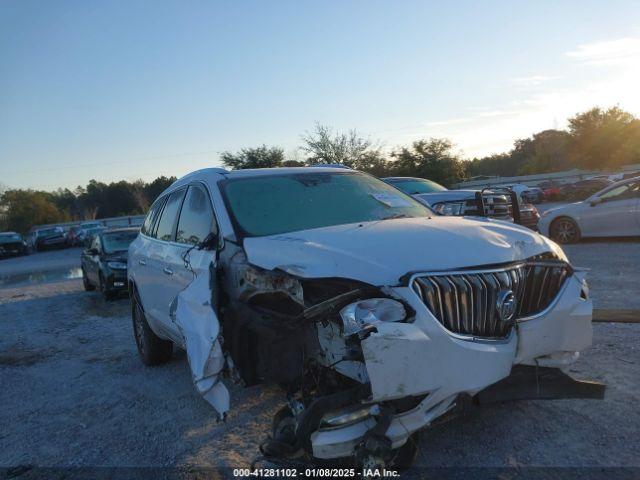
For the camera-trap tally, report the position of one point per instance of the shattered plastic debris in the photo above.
(193, 313)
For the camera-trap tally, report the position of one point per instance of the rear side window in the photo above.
(167, 221)
(151, 216)
(196, 218)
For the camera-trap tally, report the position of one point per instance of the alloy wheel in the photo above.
(565, 231)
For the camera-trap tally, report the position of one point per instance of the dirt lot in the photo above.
(75, 394)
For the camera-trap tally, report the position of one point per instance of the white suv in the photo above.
(376, 315)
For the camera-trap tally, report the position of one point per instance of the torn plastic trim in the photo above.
(192, 311)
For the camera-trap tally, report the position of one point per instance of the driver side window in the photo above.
(196, 218)
(623, 192)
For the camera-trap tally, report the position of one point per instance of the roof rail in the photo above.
(331, 165)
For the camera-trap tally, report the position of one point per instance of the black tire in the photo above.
(406, 454)
(86, 283)
(153, 350)
(564, 230)
(284, 426)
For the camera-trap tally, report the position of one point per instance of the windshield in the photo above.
(49, 231)
(10, 238)
(414, 186)
(117, 241)
(268, 205)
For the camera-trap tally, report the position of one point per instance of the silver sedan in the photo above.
(611, 212)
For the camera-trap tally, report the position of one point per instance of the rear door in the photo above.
(140, 253)
(162, 282)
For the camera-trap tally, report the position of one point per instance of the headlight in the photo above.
(357, 315)
(117, 265)
(556, 250)
(455, 208)
(584, 291)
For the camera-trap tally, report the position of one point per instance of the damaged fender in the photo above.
(192, 311)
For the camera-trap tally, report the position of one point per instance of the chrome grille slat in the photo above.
(466, 302)
(494, 288)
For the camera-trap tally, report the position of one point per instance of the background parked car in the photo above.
(612, 212)
(87, 235)
(46, 238)
(533, 195)
(73, 237)
(11, 244)
(529, 216)
(550, 191)
(525, 193)
(91, 224)
(104, 263)
(78, 234)
(583, 189)
(452, 202)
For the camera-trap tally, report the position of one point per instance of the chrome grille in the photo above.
(495, 206)
(466, 302)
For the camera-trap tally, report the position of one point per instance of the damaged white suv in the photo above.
(377, 315)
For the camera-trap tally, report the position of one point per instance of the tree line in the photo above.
(595, 139)
(21, 209)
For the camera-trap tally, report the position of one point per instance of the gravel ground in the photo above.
(75, 394)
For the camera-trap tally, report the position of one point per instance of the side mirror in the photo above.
(595, 201)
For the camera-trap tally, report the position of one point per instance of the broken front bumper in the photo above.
(410, 359)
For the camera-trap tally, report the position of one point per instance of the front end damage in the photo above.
(365, 367)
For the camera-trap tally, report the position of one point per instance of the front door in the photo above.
(92, 255)
(614, 212)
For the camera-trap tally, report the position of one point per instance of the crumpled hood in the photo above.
(381, 252)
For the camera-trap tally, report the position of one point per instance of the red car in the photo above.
(550, 191)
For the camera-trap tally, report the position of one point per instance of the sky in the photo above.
(131, 90)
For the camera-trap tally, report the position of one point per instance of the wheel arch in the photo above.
(565, 217)
(133, 292)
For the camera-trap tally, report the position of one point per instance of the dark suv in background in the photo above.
(12, 243)
(104, 262)
(45, 238)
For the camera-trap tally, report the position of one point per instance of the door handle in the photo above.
(142, 262)
(167, 270)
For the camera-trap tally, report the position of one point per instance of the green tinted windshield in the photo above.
(414, 186)
(48, 231)
(117, 241)
(268, 205)
(10, 238)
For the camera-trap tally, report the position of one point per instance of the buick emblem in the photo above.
(506, 306)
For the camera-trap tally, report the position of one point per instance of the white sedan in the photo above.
(612, 212)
